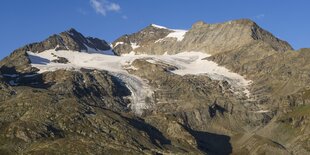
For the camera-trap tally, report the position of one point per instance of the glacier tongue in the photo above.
(141, 92)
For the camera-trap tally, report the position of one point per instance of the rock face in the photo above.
(209, 38)
(68, 40)
(89, 110)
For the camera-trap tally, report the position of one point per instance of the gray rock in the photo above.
(208, 38)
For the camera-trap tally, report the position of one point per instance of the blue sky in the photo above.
(27, 21)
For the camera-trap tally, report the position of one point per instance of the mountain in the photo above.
(68, 40)
(226, 88)
(210, 38)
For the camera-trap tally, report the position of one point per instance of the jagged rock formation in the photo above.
(68, 40)
(76, 110)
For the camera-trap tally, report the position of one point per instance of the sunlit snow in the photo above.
(176, 33)
(134, 46)
(118, 43)
(186, 63)
(179, 34)
(158, 26)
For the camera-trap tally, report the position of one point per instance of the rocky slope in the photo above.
(69, 95)
(210, 38)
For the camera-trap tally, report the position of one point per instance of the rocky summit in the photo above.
(218, 89)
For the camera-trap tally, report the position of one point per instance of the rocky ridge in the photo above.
(68, 40)
(209, 38)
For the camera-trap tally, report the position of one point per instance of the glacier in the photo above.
(193, 63)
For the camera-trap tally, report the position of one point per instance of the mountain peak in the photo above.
(71, 40)
(198, 24)
(72, 31)
(236, 33)
(244, 21)
(68, 40)
(209, 38)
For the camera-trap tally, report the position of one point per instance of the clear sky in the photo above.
(27, 21)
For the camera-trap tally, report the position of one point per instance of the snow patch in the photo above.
(176, 33)
(134, 46)
(262, 111)
(179, 34)
(159, 40)
(158, 26)
(118, 43)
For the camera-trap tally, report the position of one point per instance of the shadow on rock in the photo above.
(210, 143)
(155, 135)
(15, 78)
(38, 60)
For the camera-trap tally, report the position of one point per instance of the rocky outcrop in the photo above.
(143, 38)
(68, 40)
(231, 35)
(17, 61)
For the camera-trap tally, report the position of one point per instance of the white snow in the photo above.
(186, 62)
(159, 40)
(193, 63)
(176, 33)
(114, 64)
(262, 111)
(158, 26)
(134, 46)
(140, 92)
(118, 43)
(179, 34)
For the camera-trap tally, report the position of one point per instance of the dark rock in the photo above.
(61, 60)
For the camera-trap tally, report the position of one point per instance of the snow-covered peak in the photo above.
(158, 26)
